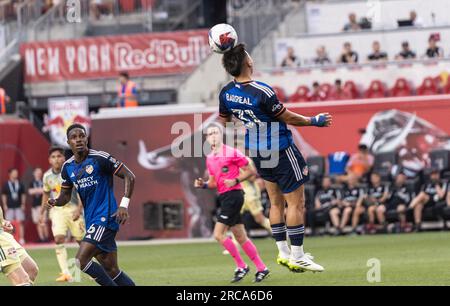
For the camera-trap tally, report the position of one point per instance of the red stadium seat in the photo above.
(127, 6)
(280, 94)
(300, 95)
(145, 4)
(401, 88)
(339, 95)
(447, 87)
(351, 88)
(326, 88)
(428, 87)
(376, 90)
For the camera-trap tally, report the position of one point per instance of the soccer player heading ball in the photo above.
(91, 172)
(273, 151)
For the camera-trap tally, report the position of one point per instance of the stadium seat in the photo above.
(327, 89)
(401, 88)
(127, 6)
(300, 95)
(375, 90)
(280, 94)
(316, 166)
(441, 160)
(146, 4)
(351, 87)
(446, 89)
(383, 164)
(428, 87)
(310, 192)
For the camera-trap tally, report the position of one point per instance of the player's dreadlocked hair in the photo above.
(75, 126)
(233, 60)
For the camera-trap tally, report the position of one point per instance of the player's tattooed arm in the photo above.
(129, 177)
(291, 118)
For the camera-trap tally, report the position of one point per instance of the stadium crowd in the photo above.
(350, 56)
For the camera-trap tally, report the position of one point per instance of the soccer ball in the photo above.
(222, 38)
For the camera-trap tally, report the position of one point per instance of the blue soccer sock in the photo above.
(122, 279)
(97, 272)
(279, 231)
(279, 234)
(296, 234)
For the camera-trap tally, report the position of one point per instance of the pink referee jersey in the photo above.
(225, 165)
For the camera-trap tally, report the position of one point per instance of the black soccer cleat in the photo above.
(240, 273)
(261, 275)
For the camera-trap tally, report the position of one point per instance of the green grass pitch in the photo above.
(407, 259)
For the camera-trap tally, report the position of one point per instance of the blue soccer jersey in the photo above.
(93, 179)
(257, 106)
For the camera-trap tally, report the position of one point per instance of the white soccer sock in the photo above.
(297, 251)
(283, 248)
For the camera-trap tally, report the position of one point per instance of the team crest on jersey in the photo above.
(11, 252)
(277, 107)
(305, 171)
(89, 169)
(225, 169)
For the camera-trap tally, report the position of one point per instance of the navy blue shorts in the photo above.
(103, 238)
(289, 172)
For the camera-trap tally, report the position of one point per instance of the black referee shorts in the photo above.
(230, 207)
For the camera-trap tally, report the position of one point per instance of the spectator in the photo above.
(322, 56)
(36, 191)
(338, 92)
(4, 99)
(399, 200)
(127, 92)
(433, 50)
(327, 201)
(416, 21)
(361, 162)
(377, 54)
(13, 199)
(376, 197)
(348, 56)
(101, 7)
(317, 94)
(352, 24)
(432, 194)
(290, 60)
(352, 198)
(405, 53)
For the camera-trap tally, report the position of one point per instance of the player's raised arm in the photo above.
(320, 120)
(124, 173)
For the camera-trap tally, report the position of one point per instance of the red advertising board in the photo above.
(414, 125)
(106, 56)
